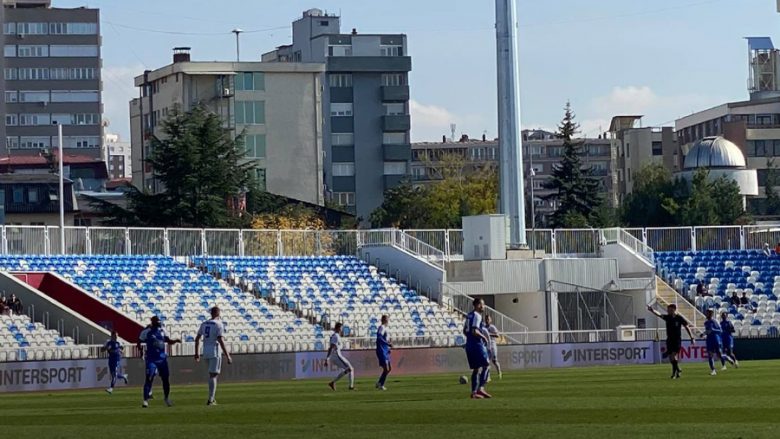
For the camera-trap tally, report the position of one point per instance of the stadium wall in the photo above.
(419, 274)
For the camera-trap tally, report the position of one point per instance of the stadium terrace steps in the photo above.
(666, 296)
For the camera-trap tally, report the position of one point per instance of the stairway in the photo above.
(666, 295)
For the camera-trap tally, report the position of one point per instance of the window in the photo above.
(323, 23)
(74, 51)
(396, 109)
(11, 96)
(61, 119)
(33, 73)
(85, 119)
(391, 50)
(344, 109)
(419, 172)
(555, 151)
(757, 148)
(538, 169)
(539, 184)
(11, 120)
(32, 28)
(599, 168)
(12, 142)
(18, 194)
(34, 119)
(32, 195)
(246, 81)
(82, 73)
(10, 74)
(59, 73)
(9, 28)
(344, 198)
(34, 142)
(340, 50)
(9, 51)
(342, 139)
(393, 79)
(395, 168)
(394, 139)
(33, 96)
(340, 80)
(75, 96)
(80, 142)
(628, 153)
(32, 51)
(260, 177)
(250, 112)
(255, 146)
(536, 150)
(776, 148)
(658, 148)
(73, 28)
(346, 169)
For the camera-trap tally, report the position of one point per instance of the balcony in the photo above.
(396, 123)
(395, 93)
(397, 152)
(379, 64)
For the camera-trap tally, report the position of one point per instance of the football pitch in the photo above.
(605, 402)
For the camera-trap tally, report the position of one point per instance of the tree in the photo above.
(206, 181)
(576, 189)
(403, 207)
(772, 207)
(651, 202)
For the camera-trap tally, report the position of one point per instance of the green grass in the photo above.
(606, 402)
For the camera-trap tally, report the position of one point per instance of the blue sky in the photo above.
(660, 58)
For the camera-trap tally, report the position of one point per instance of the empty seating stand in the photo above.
(340, 288)
(21, 339)
(724, 272)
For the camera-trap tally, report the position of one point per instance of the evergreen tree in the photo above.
(772, 198)
(202, 170)
(576, 189)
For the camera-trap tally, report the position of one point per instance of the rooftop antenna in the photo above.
(453, 127)
(238, 32)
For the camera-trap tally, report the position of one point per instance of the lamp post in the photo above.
(238, 32)
(62, 190)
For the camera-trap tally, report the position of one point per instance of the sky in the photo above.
(662, 58)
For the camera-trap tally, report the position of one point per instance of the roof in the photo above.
(714, 152)
(31, 178)
(620, 123)
(229, 68)
(119, 182)
(20, 160)
(760, 43)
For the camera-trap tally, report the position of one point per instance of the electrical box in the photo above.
(484, 237)
(626, 333)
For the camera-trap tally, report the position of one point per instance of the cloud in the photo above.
(642, 100)
(429, 122)
(118, 90)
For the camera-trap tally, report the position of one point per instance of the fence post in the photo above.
(644, 236)
(5, 241)
(553, 245)
(241, 243)
(447, 245)
(279, 249)
(166, 243)
(742, 237)
(46, 242)
(693, 239)
(88, 240)
(128, 243)
(203, 243)
(358, 241)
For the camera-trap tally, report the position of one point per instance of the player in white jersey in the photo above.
(335, 348)
(211, 331)
(493, 334)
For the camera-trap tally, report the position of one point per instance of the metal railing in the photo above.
(626, 238)
(462, 304)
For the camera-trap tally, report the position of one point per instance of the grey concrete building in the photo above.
(366, 104)
(278, 106)
(51, 73)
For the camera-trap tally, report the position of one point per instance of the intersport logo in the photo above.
(592, 355)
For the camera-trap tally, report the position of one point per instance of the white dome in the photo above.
(714, 152)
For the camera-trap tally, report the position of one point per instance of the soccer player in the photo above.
(383, 347)
(674, 325)
(727, 337)
(335, 348)
(714, 347)
(114, 349)
(476, 351)
(155, 341)
(492, 333)
(211, 331)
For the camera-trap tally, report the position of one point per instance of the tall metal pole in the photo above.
(512, 203)
(238, 31)
(62, 191)
(531, 176)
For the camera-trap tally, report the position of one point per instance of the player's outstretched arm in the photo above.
(221, 342)
(654, 311)
(197, 347)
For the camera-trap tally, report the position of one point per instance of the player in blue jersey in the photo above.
(727, 338)
(383, 347)
(712, 332)
(153, 342)
(114, 349)
(476, 351)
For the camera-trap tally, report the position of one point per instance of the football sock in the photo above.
(712, 363)
(483, 377)
(212, 388)
(351, 378)
(382, 378)
(341, 375)
(166, 386)
(148, 387)
(474, 380)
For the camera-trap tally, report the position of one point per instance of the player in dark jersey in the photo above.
(674, 324)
